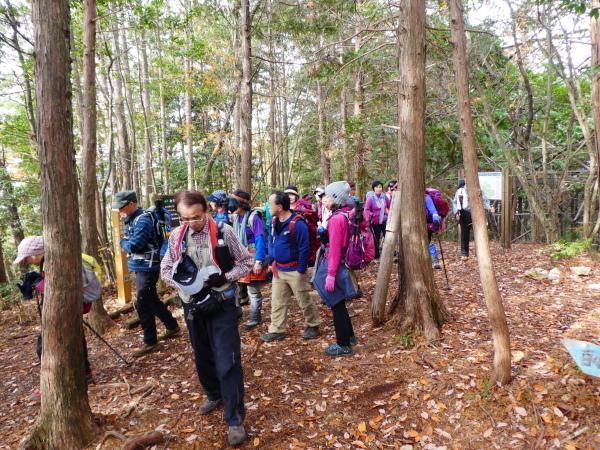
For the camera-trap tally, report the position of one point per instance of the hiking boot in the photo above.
(376, 260)
(36, 397)
(270, 337)
(358, 295)
(144, 349)
(464, 258)
(336, 350)
(252, 324)
(310, 333)
(353, 340)
(437, 265)
(209, 406)
(166, 334)
(237, 434)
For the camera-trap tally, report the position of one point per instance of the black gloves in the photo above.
(216, 280)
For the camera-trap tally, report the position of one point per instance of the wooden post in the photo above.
(506, 219)
(123, 276)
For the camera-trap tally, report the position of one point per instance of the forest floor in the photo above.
(433, 395)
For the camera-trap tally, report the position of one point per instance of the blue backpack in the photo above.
(162, 225)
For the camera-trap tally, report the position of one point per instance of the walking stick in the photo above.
(107, 344)
(444, 263)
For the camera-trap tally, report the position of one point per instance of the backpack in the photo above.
(361, 246)
(91, 275)
(441, 204)
(261, 213)
(304, 211)
(92, 289)
(162, 225)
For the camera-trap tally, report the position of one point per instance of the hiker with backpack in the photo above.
(377, 206)
(143, 244)
(289, 254)
(218, 202)
(292, 192)
(434, 221)
(204, 260)
(462, 211)
(250, 230)
(31, 250)
(332, 280)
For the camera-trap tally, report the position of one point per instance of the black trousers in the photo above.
(466, 225)
(218, 358)
(149, 306)
(342, 324)
(378, 230)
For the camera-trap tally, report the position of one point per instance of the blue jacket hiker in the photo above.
(140, 242)
(289, 251)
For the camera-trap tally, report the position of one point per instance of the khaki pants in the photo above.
(283, 287)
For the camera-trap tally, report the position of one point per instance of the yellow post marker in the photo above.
(123, 276)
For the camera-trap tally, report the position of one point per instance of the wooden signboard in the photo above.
(123, 275)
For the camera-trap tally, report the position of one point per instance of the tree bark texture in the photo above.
(65, 420)
(246, 98)
(386, 263)
(98, 316)
(147, 106)
(419, 300)
(500, 335)
(119, 107)
(595, 35)
(325, 162)
(189, 126)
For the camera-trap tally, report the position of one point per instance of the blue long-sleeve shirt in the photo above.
(284, 249)
(139, 236)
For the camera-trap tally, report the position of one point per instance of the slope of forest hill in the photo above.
(430, 396)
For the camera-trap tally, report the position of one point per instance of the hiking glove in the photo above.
(216, 280)
(330, 283)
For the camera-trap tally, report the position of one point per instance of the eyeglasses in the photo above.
(193, 219)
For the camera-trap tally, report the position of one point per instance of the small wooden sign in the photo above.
(123, 275)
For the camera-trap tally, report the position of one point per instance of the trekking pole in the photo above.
(444, 263)
(107, 344)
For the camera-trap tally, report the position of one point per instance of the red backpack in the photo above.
(441, 204)
(305, 212)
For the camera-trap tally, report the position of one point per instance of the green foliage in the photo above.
(567, 250)
(407, 340)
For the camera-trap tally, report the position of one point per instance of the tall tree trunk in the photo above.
(421, 306)
(344, 116)
(98, 316)
(236, 143)
(122, 133)
(189, 126)
(65, 420)
(246, 98)
(500, 335)
(163, 118)
(13, 211)
(147, 120)
(595, 35)
(359, 169)
(325, 163)
(273, 124)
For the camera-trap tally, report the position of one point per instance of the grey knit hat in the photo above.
(338, 192)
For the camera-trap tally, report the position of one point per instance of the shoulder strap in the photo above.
(292, 227)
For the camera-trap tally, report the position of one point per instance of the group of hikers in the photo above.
(219, 262)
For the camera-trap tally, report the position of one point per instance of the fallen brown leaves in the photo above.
(433, 396)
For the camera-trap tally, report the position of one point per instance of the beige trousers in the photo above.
(283, 287)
